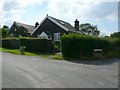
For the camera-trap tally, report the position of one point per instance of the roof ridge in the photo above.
(59, 19)
(23, 23)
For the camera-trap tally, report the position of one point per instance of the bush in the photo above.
(116, 46)
(37, 45)
(11, 43)
(77, 46)
(116, 43)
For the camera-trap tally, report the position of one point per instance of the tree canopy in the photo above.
(4, 31)
(115, 35)
(89, 29)
(22, 31)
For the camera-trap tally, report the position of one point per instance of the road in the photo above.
(36, 72)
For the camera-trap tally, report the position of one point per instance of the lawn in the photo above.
(45, 55)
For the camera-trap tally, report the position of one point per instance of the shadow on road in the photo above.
(95, 62)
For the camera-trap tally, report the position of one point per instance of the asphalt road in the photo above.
(37, 72)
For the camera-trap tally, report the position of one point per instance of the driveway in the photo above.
(36, 72)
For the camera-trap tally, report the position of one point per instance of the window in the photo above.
(56, 37)
(62, 22)
(42, 35)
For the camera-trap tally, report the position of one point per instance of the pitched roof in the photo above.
(65, 25)
(30, 28)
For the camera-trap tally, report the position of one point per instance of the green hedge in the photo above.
(11, 43)
(76, 45)
(116, 42)
(37, 45)
(116, 46)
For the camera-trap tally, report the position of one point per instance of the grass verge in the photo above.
(57, 57)
(16, 51)
(45, 55)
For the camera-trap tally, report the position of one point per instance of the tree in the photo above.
(22, 31)
(4, 31)
(89, 29)
(115, 35)
(4, 26)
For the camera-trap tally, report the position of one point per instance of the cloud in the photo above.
(14, 10)
(69, 10)
(11, 11)
(8, 6)
(83, 10)
(112, 17)
(26, 3)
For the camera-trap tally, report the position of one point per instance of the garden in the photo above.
(72, 46)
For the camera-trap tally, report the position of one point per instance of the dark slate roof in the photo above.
(30, 28)
(65, 24)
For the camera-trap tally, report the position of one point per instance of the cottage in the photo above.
(52, 28)
(16, 25)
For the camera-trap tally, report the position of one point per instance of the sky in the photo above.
(103, 13)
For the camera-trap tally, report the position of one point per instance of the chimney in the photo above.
(36, 24)
(76, 25)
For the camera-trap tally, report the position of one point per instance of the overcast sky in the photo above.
(102, 13)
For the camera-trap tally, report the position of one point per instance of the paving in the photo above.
(37, 72)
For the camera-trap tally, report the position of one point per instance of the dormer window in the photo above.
(62, 22)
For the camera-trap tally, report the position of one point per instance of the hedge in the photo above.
(11, 43)
(37, 45)
(76, 45)
(116, 46)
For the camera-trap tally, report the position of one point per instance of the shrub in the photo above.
(76, 45)
(11, 43)
(116, 46)
(116, 43)
(37, 45)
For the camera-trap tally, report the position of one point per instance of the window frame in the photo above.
(57, 37)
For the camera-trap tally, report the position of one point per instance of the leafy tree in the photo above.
(22, 31)
(4, 26)
(4, 31)
(115, 35)
(89, 29)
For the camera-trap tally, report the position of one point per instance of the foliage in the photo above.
(5, 26)
(37, 45)
(11, 43)
(77, 46)
(89, 29)
(16, 51)
(115, 35)
(22, 31)
(116, 44)
(4, 31)
(57, 57)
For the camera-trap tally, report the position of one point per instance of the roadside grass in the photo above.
(16, 51)
(57, 57)
(45, 55)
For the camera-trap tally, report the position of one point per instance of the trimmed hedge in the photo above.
(37, 45)
(116, 46)
(116, 43)
(76, 45)
(11, 43)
